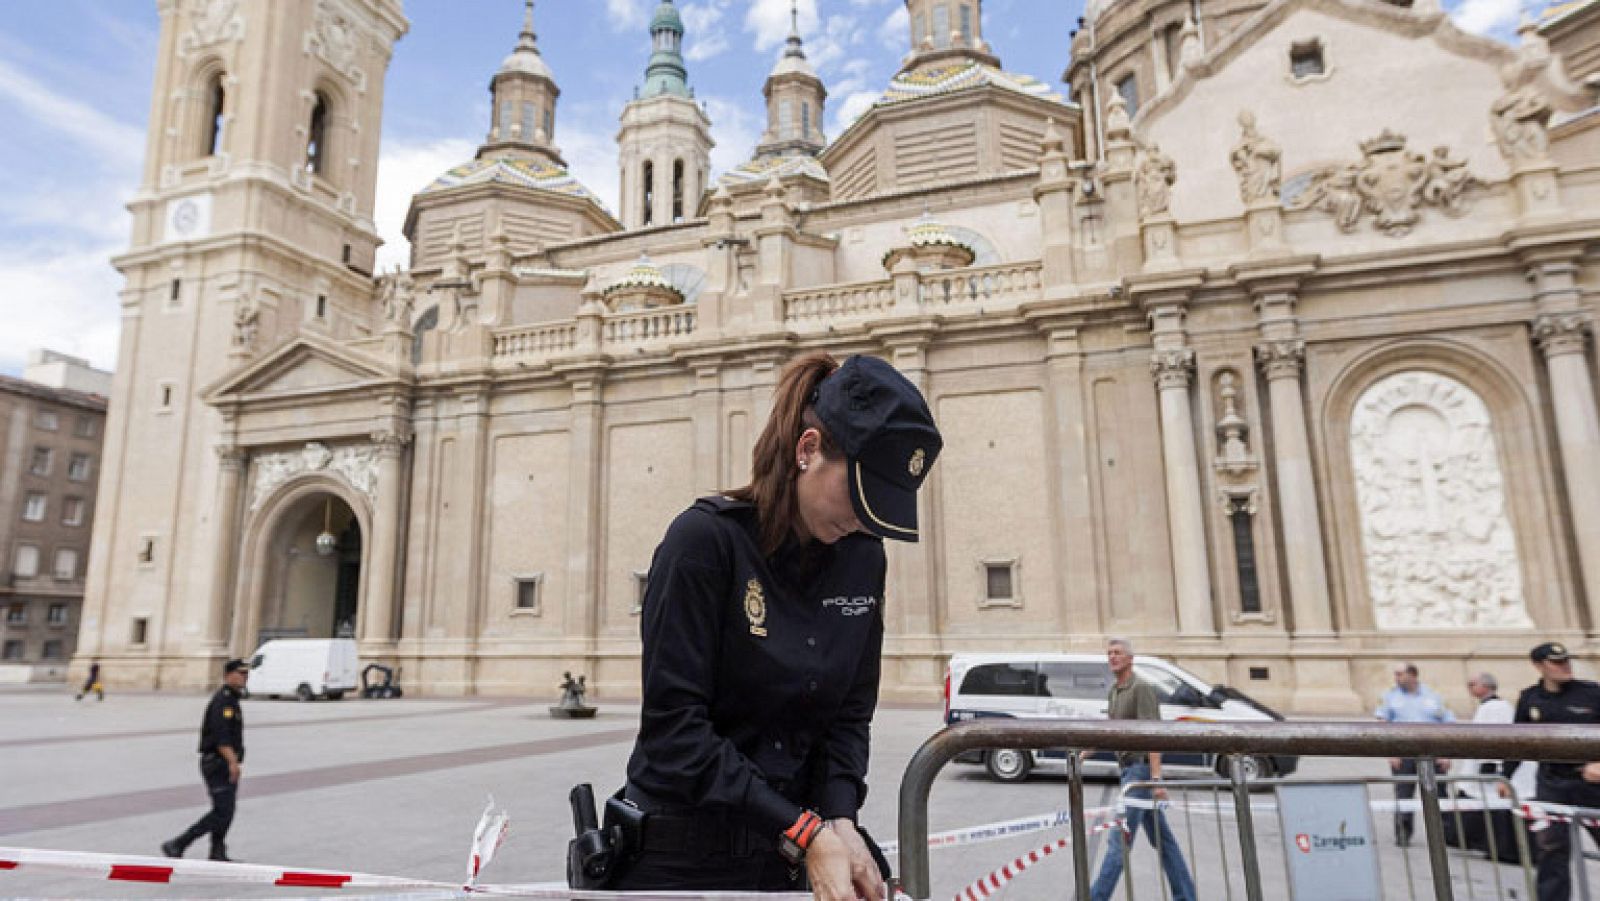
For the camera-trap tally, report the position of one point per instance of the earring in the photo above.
(802, 464)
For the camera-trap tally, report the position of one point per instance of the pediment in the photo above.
(304, 365)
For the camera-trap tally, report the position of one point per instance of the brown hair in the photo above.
(772, 463)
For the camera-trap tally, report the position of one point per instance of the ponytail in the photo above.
(772, 465)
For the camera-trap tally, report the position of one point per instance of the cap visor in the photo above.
(884, 508)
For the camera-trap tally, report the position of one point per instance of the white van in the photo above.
(304, 667)
(1074, 686)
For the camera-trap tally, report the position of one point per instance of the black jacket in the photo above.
(224, 723)
(760, 675)
(1577, 703)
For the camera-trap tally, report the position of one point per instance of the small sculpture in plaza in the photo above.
(572, 706)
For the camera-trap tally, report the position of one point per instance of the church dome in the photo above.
(512, 171)
(666, 18)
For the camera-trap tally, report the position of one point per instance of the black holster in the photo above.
(599, 852)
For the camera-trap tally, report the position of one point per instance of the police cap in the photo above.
(1553, 651)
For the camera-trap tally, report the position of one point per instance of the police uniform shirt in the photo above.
(1577, 703)
(760, 675)
(224, 724)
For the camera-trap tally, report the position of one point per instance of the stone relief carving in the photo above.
(1153, 179)
(214, 21)
(1257, 161)
(335, 36)
(1519, 119)
(1281, 359)
(1561, 333)
(1172, 368)
(1233, 430)
(1440, 551)
(1390, 182)
(246, 323)
(356, 465)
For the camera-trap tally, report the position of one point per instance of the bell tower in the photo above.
(252, 223)
(665, 142)
(795, 97)
(946, 31)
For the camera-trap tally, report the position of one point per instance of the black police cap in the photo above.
(235, 665)
(1550, 650)
(880, 421)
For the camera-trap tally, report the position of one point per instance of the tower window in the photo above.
(175, 292)
(549, 125)
(508, 129)
(649, 192)
(322, 306)
(1128, 87)
(528, 120)
(941, 25)
(966, 23)
(217, 96)
(805, 119)
(919, 29)
(1171, 41)
(1305, 59)
(677, 190)
(785, 119)
(317, 137)
(1244, 552)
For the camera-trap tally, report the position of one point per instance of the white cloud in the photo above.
(852, 108)
(704, 34)
(62, 298)
(1486, 17)
(106, 136)
(404, 168)
(736, 130)
(591, 155)
(627, 15)
(768, 20)
(895, 31)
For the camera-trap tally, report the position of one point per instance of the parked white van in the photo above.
(306, 668)
(1074, 686)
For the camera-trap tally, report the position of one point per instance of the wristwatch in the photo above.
(796, 840)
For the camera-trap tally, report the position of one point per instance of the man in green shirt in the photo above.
(1131, 698)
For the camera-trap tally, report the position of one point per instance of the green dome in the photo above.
(666, 17)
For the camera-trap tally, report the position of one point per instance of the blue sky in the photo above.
(76, 77)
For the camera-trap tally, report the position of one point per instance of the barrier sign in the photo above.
(1328, 842)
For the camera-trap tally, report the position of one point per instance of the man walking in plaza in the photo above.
(1409, 701)
(91, 682)
(221, 755)
(1558, 698)
(1131, 698)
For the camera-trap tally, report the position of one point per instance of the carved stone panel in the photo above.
(1440, 551)
(356, 465)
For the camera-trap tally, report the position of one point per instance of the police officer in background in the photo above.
(763, 630)
(221, 755)
(1558, 698)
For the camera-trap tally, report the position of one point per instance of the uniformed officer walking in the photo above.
(762, 627)
(1559, 698)
(221, 755)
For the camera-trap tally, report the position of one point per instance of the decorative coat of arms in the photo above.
(755, 607)
(1392, 183)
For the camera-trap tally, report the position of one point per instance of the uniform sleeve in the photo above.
(847, 745)
(1508, 767)
(681, 628)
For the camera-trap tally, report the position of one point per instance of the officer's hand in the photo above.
(1504, 789)
(1394, 764)
(233, 772)
(864, 873)
(1591, 772)
(828, 867)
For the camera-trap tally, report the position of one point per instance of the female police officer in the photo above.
(762, 628)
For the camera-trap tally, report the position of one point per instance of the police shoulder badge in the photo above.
(227, 713)
(919, 459)
(1533, 714)
(755, 607)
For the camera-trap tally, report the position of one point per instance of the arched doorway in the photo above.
(311, 571)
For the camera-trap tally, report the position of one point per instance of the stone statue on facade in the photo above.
(246, 322)
(1520, 119)
(1257, 160)
(1447, 182)
(396, 291)
(1153, 180)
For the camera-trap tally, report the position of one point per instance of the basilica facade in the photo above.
(1265, 341)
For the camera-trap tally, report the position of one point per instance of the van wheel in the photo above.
(335, 695)
(304, 693)
(1009, 764)
(1255, 768)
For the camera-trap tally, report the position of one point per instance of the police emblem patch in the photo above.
(919, 459)
(227, 713)
(1533, 714)
(755, 607)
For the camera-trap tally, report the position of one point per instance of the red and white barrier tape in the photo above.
(997, 880)
(132, 868)
(989, 832)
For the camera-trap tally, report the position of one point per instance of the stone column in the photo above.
(1077, 577)
(914, 591)
(583, 519)
(1562, 338)
(1054, 195)
(1298, 511)
(1174, 370)
(378, 618)
(707, 418)
(230, 484)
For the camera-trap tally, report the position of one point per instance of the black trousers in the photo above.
(224, 794)
(1554, 850)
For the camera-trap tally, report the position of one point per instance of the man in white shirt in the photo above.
(1492, 709)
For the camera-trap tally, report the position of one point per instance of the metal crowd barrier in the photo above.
(1235, 741)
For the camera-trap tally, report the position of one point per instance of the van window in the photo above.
(1011, 679)
(1078, 681)
(1162, 681)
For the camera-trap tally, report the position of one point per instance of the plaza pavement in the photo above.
(396, 787)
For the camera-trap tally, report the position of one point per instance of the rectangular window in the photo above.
(322, 306)
(529, 119)
(785, 119)
(47, 420)
(140, 632)
(72, 511)
(549, 126)
(1305, 59)
(78, 468)
(85, 427)
(941, 26)
(527, 597)
(52, 649)
(35, 507)
(27, 563)
(13, 650)
(1244, 552)
(17, 615)
(805, 119)
(1016, 680)
(508, 128)
(66, 564)
(919, 29)
(57, 615)
(1000, 587)
(1171, 41)
(966, 23)
(1128, 87)
(39, 463)
(1080, 681)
